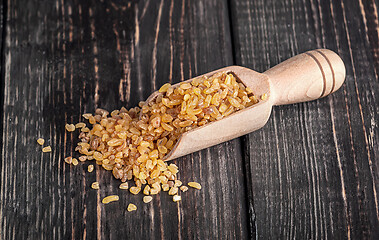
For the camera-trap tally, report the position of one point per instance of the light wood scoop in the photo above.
(305, 77)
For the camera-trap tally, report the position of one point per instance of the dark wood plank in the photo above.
(67, 57)
(2, 60)
(314, 166)
(369, 12)
(2, 30)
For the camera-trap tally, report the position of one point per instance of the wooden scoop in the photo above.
(307, 76)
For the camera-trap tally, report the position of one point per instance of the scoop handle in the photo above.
(307, 76)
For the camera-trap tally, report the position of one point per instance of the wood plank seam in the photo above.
(361, 112)
(371, 26)
(3, 16)
(335, 139)
(251, 223)
(231, 30)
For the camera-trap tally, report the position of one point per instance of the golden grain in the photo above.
(146, 190)
(87, 115)
(132, 207)
(135, 190)
(40, 141)
(147, 199)
(80, 125)
(124, 185)
(90, 168)
(132, 143)
(46, 149)
(110, 198)
(164, 87)
(165, 187)
(70, 127)
(178, 183)
(176, 198)
(68, 160)
(194, 185)
(95, 185)
(173, 191)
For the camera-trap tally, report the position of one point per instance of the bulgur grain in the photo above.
(132, 207)
(87, 115)
(170, 183)
(154, 191)
(135, 190)
(110, 198)
(178, 183)
(173, 191)
(80, 125)
(176, 198)
(146, 190)
(90, 168)
(68, 160)
(124, 185)
(95, 185)
(165, 187)
(46, 149)
(40, 141)
(75, 161)
(264, 97)
(70, 127)
(85, 129)
(184, 188)
(164, 87)
(147, 199)
(194, 185)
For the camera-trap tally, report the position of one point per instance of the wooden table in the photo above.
(310, 173)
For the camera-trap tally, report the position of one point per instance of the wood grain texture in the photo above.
(314, 167)
(64, 58)
(2, 59)
(310, 173)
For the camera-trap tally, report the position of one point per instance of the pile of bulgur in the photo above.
(132, 143)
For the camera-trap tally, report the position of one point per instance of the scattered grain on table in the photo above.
(46, 149)
(133, 143)
(124, 185)
(70, 127)
(194, 185)
(95, 185)
(147, 199)
(184, 188)
(68, 160)
(173, 191)
(80, 125)
(85, 129)
(165, 187)
(132, 207)
(40, 141)
(135, 190)
(176, 198)
(90, 168)
(178, 183)
(110, 198)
